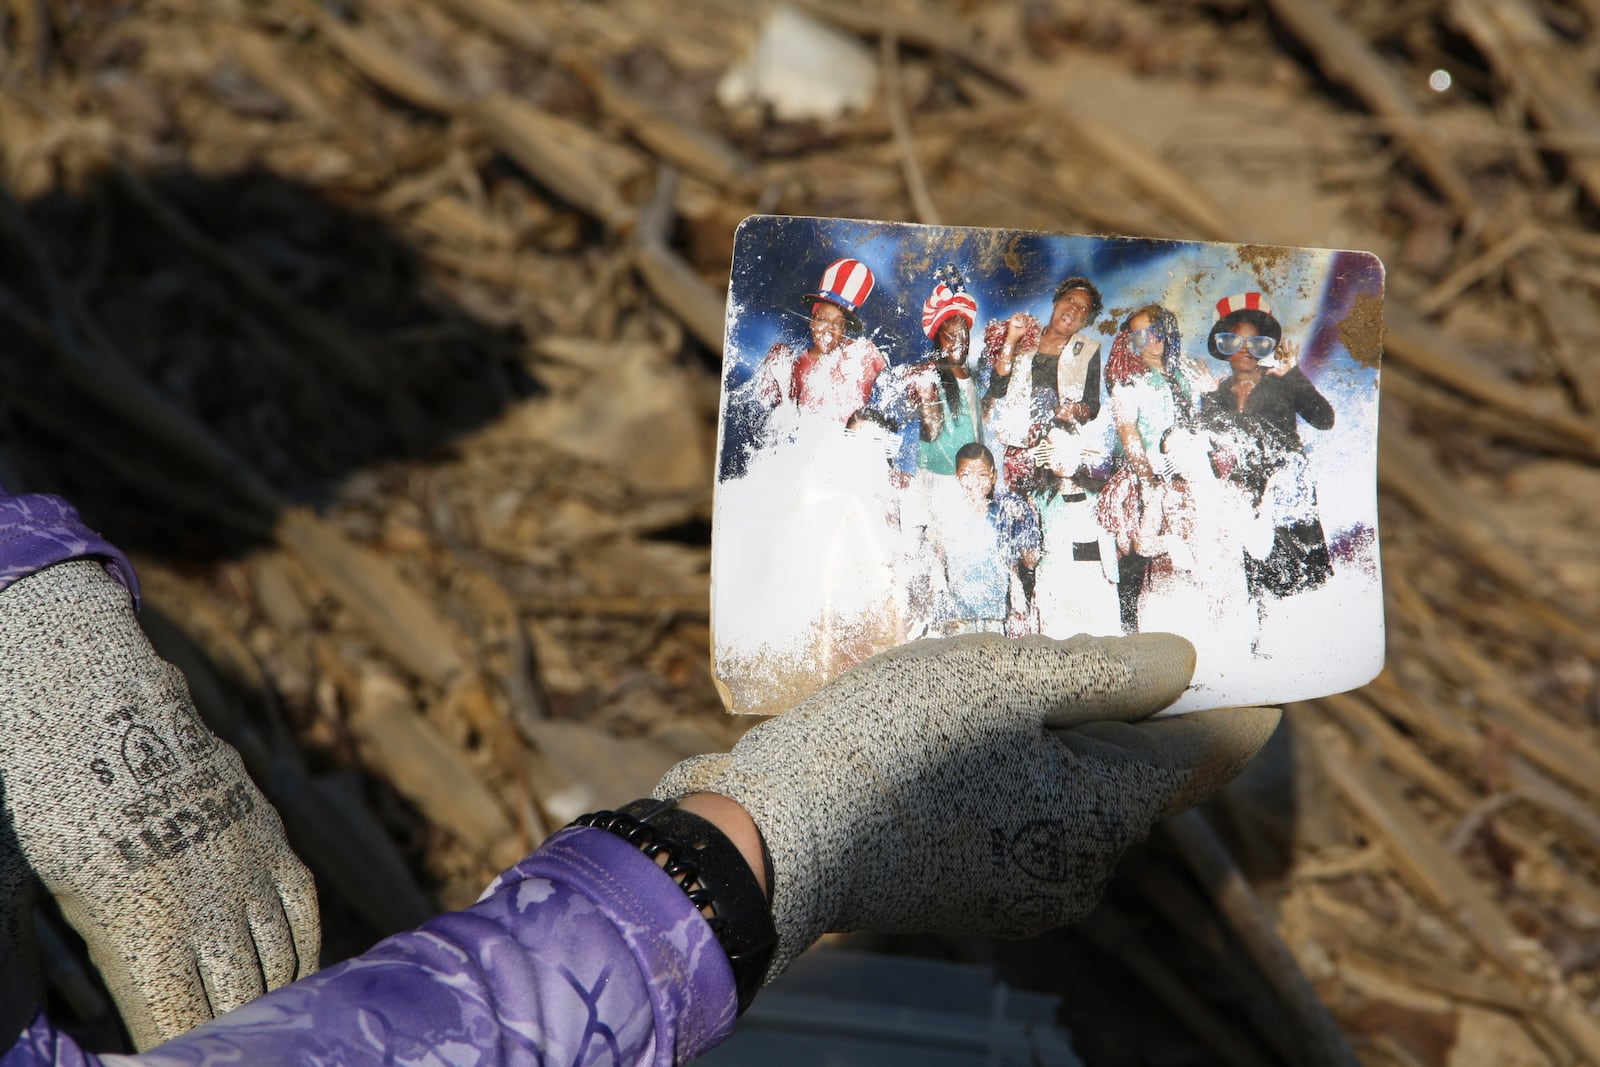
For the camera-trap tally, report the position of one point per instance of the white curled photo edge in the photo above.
(933, 430)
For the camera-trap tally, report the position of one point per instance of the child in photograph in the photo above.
(987, 539)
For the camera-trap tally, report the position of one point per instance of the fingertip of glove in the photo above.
(1220, 743)
(1169, 653)
(1245, 729)
(1128, 677)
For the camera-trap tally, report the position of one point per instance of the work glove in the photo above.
(142, 824)
(975, 784)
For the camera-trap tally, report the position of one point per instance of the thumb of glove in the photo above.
(1200, 752)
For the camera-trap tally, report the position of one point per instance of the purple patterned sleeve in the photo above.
(38, 529)
(584, 953)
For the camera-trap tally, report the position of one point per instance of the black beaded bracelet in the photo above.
(712, 872)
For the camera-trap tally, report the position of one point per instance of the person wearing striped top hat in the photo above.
(833, 377)
(1254, 416)
(943, 391)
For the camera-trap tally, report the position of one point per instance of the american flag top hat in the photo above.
(846, 283)
(1242, 302)
(943, 303)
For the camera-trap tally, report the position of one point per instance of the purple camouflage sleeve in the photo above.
(583, 953)
(38, 529)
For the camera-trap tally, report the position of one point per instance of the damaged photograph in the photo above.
(929, 431)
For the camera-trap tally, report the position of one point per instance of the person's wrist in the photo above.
(719, 877)
(729, 816)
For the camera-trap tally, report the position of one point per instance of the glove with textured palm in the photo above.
(142, 824)
(951, 785)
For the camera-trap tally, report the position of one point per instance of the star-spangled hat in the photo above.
(846, 284)
(1242, 302)
(944, 302)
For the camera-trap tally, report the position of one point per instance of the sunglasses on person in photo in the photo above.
(1139, 338)
(1258, 347)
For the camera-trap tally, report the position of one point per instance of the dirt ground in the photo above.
(385, 334)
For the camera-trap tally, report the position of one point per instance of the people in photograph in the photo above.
(986, 538)
(1042, 407)
(833, 376)
(1146, 504)
(942, 392)
(1254, 415)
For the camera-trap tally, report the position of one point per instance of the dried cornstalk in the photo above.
(1321, 1041)
(428, 770)
(676, 140)
(575, 164)
(1548, 77)
(401, 620)
(1442, 878)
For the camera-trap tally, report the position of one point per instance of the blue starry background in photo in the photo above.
(778, 259)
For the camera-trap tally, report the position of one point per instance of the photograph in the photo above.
(929, 431)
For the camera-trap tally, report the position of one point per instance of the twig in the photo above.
(563, 156)
(1571, 320)
(1191, 916)
(558, 153)
(508, 19)
(428, 770)
(1324, 1043)
(1562, 752)
(1385, 741)
(112, 386)
(1468, 274)
(685, 607)
(675, 284)
(867, 23)
(1547, 76)
(343, 353)
(1442, 878)
(1349, 60)
(1406, 469)
(407, 626)
(905, 141)
(382, 65)
(687, 145)
(1489, 423)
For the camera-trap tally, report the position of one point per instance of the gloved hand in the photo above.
(143, 825)
(949, 785)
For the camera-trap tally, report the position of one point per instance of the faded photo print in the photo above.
(929, 431)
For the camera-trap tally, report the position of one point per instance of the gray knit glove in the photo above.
(948, 785)
(140, 822)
